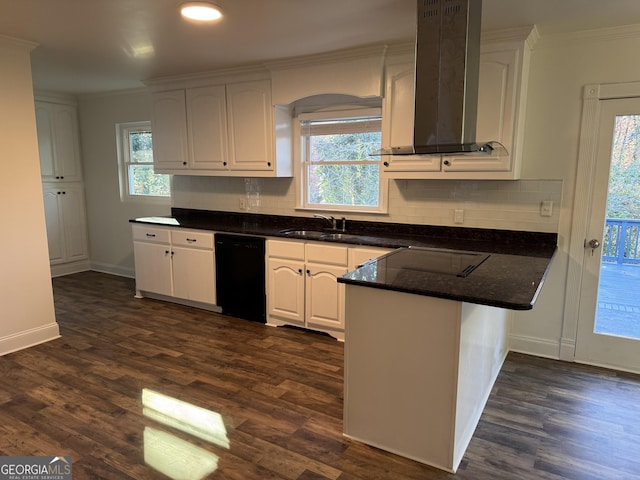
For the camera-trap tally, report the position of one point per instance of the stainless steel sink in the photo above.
(303, 233)
(340, 236)
(318, 234)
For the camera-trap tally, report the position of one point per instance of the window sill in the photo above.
(324, 208)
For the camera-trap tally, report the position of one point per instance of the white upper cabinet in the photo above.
(222, 129)
(207, 132)
(58, 143)
(397, 122)
(251, 130)
(169, 127)
(501, 112)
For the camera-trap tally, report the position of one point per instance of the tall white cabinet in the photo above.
(62, 185)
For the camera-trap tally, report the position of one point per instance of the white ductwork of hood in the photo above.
(446, 80)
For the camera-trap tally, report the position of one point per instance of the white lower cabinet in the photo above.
(302, 286)
(175, 263)
(65, 216)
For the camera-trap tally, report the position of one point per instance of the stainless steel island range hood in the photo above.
(446, 79)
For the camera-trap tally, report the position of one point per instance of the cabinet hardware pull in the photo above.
(447, 163)
(224, 164)
(152, 235)
(386, 164)
(191, 240)
(184, 163)
(268, 164)
(300, 271)
(308, 272)
(166, 252)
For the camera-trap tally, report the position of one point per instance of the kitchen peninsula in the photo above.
(426, 335)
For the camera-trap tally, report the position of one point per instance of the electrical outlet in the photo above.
(242, 204)
(458, 215)
(546, 208)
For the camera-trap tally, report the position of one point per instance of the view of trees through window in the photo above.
(348, 182)
(624, 182)
(339, 168)
(142, 179)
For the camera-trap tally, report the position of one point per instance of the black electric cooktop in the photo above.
(434, 260)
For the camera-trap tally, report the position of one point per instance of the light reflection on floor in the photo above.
(173, 456)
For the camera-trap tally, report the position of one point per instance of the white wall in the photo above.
(27, 314)
(110, 241)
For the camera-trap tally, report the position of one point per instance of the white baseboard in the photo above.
(113, 269)
(29, 338)
(568, 349)
(538, 347)
(69, 268)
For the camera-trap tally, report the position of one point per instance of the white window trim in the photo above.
(122, 143)
(301, 174)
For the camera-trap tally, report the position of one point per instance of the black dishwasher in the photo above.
(240, 276)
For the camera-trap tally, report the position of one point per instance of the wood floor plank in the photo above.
(278, 393)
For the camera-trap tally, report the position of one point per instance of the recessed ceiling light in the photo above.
(201, 11)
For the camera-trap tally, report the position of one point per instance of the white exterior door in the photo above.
(608, 331)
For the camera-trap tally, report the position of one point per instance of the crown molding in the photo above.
(17, 42)
(623, 32)
(373, 50)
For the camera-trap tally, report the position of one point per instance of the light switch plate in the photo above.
(546, 208)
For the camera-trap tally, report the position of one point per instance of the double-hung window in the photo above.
(338, 172)
(138, 182)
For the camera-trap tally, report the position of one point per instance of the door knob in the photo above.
(594, 243)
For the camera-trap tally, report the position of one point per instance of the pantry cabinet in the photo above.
(501, 112)
(58, 143)
(221, 130)
(174, 263)
(62, 186)
(64, 209)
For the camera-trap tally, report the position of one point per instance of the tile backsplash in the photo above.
(508, 205)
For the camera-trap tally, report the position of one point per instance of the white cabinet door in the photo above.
(324, 296)
(194, 274)
(286, 285)
(250, 124)
(58, 143)
(169, 126)
(74, 221)
(496, 100)
(66, 222)
(153, 267)
(397, 123)
(207, 127)
(55, 231)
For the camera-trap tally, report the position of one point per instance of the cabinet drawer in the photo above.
(285, 249)
(147, 233)
(191, 238)
(331, 254)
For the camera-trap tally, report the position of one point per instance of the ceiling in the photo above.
(88, 46)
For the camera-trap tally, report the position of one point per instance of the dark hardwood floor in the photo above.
(278, 392)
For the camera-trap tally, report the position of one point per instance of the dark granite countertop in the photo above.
(505, 281)
(510, 278)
